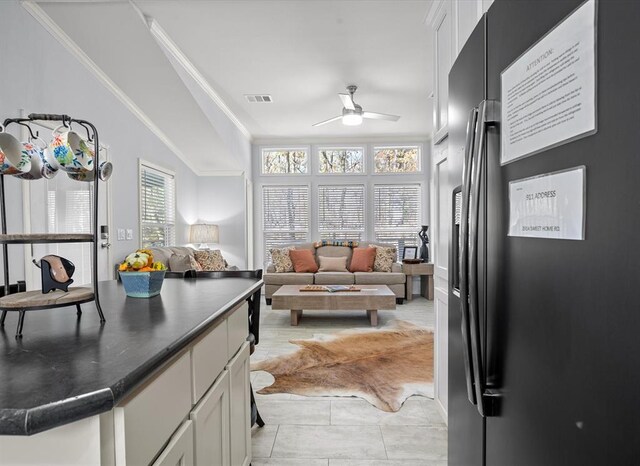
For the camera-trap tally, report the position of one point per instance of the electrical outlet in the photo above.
(120, 234)
(129, 233)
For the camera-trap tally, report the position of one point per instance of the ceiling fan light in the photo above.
(352, 119)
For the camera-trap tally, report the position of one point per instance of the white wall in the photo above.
(41, 76)
(222, 201)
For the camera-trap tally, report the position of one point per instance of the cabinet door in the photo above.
(240, 409)
(211, 425)
(179, 452)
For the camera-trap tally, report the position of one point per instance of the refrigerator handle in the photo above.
(488, 115)
(463, 257)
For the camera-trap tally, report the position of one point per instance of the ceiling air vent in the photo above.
(259, 98)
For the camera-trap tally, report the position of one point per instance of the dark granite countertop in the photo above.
(65, 369)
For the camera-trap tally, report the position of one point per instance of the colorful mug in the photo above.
(104, 173)
(13, 160)
(70, 151)
(40, 167)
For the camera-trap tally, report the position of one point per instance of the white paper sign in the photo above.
(548, 94)
(548, 206)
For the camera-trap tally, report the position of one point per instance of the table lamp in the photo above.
(203, 233)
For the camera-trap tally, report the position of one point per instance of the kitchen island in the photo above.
(74, 391)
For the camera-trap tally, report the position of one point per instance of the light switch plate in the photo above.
(120, 234)
(129, 233)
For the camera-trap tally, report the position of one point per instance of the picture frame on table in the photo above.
(410, 252)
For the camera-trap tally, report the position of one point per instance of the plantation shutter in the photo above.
(397, 213)
(285, 215)
(157, 208)
(341, 212)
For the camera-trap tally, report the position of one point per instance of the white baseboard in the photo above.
(443, 412)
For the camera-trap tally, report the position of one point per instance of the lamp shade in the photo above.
(204, 233)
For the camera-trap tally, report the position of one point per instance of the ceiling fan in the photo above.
(352, 113)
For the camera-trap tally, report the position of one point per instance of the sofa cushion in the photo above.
(335, 251)
(333, 278)
(210, 260)
(164, 254)
(385, 257)
(303, 261)
(183, 262)
(379, 278)
(332, 264)
(281, 260)
(291, 278)
(362, 260)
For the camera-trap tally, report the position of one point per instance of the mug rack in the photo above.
(36, 300)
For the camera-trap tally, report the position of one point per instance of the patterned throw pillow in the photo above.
(210, 260)
(195, 265)
(281, 260)
(385, 257)
(324, 242)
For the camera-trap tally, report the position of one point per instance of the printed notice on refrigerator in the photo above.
(549, 93)
(548, 206)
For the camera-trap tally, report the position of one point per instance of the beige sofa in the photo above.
(395, 279)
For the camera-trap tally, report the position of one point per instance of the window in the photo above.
(397, 214)
(157, 207)
(284, 161)
(341, 212)
(285, 215)
(349, 160)
(396, 159)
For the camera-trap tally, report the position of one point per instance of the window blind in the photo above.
(341, 212)
(157, 208)
(285, 215)
(397, 214)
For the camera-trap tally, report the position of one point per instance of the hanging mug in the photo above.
(104, 173)
(70, 151)
(40, 167)
(13, 160)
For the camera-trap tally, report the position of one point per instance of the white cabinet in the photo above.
(179, 451)
(211, 425)
(240, 408)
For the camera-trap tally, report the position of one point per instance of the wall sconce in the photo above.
(203, 234)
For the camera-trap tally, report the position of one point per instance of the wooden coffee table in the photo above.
(371, 298)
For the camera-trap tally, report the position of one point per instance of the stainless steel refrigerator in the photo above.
(544, 333)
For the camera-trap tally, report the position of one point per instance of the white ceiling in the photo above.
(301, 52)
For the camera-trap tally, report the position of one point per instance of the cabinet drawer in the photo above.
(144, 422)
(238, 328)
(208, 358)
(179, 452)
(211, 425)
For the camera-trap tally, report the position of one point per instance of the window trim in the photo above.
(364, 206)
(305, 148)
(375, 147)
(365, 165)
(145, 163)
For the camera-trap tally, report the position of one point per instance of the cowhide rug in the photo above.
(384, 366)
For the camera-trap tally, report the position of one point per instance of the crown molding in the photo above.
(165, 41)
(221, 173)
(409, 138)
(56, 31)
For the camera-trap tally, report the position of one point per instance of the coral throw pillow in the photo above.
(362, 260)
(333, 264)
(303, 261)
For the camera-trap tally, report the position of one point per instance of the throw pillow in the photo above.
(281, 260)
(210, 260)
(363, 259)
(332, 264)
(303, 261)
(324, 242)
(385, 257)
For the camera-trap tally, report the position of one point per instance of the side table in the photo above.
(425, 271)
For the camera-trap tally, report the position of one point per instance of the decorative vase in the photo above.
(142, 284)
(424, 249)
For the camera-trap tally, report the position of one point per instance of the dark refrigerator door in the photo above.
(466, 91)
(564, 317)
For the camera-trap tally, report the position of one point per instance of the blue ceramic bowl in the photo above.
(142, 284)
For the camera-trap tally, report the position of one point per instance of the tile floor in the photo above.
(341, 431)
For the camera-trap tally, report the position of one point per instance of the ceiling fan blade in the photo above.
(328, 121)
(380, 116)
(347, 101)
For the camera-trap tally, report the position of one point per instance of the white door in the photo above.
(63, 205)
(441, 220)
